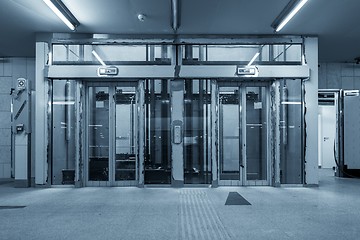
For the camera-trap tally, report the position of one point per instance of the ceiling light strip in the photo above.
(72, 24)
(290, 15)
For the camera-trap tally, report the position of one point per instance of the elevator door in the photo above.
(244, 135)
(112, 135)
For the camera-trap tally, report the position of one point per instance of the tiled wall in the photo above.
(10, 70)
(339, 76)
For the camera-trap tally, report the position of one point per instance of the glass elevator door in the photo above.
(244, 135)
(112, 135)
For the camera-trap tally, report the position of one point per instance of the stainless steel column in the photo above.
(214, 132)
(141, 130)
(41, 144)
(276, 136)
(177, 132)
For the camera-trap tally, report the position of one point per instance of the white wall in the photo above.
(10, 70)
(311, 116)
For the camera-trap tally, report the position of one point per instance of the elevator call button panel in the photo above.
(177, 132)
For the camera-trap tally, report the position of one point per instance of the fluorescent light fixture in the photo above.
(98, 57)
(287, 14)
(253, 59)
(63, 102)
(58, 7)
(291, 103)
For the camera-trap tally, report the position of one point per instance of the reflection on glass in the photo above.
(256, 134)
(229, 133)
(197, 164)
(98, 134)
(125, 158)
(63, 132)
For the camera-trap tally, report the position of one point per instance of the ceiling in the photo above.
(335, 22)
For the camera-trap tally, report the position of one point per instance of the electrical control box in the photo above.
(351, 121)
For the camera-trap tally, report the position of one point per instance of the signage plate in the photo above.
(241, 71)
(108, 71)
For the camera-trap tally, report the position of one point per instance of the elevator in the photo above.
(175, 115)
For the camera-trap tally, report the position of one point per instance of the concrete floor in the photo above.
(330, 211)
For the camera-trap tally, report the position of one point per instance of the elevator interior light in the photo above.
(63, 102)
(287, 14)
(253, 59)
(98, 57)
(58, 7)
(291, 103)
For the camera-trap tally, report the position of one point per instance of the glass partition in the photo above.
(65, 54)
(261, 54)
(63, 132)
(93, 54)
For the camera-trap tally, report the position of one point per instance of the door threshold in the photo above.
(63, 186)
(157, 185)
(197, 185)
